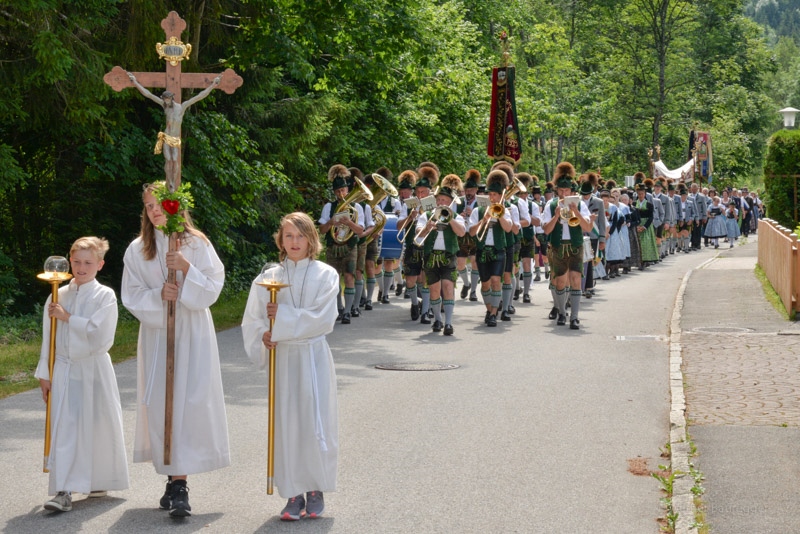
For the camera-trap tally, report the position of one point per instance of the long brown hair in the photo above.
(148, 231)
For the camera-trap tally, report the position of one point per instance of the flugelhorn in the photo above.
(495, 212)
(566, 213)
(342, 234)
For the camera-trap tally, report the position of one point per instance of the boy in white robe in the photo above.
(199, 424)
(87, 448)
(306, 412)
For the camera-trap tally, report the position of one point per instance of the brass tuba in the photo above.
(342, 234)
(381, 188)
(516, 186)
(495, 212)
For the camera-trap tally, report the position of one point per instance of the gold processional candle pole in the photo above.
(273, 286)
(56, 271)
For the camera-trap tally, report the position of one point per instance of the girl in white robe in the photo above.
(87, 447)
(199, 423)
(306, 413)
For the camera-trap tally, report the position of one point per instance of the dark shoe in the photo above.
(437, 326)
(511, 309)
(430, 313)
(473, 297)
(385, 299)
(424, 319)
(492, 320)
(368, 305)
(504, 316)
(562, 320)
(587, 295)
(553, 313)
(362, 302)
(486, 319)
(315, 504)
(406, 295)
(526, 298)
(605, 277)
(414, 312)
(346, 318)
(547, 275)
(517, 293)
(355, 312)
(448, 330)
(465, 291)
(341, 314)
(180, 500)
(399, 290)
(537, 277)
(573, 324)
(293, 510)
(166, 500)
(380, 295)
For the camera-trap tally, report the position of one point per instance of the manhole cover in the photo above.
(721, 329)
(416, 366)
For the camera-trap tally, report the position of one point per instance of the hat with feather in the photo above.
(338, 175)
(451, 185)
(472, 179)
(588, 183)
(428, 177)
(407, 180)
(497, 181)
(563, 177)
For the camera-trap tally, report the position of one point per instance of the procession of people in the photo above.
(504, 237)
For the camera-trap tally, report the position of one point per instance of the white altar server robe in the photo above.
(306, 412)
(87, 447)
(199, 424)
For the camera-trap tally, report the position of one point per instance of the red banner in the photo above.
(504, 138)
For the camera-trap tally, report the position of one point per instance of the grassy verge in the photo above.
(20, 356)
(772, 297)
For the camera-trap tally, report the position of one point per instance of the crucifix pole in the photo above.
(173, 51)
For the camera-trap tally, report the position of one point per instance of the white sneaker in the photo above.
(62, 502)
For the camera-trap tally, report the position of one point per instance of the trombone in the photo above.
(442, 214)
(495, 211)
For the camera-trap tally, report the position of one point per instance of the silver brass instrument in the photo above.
(566, 213)
(341, 234)
(381, 188)
(441, 215)
(495, 212)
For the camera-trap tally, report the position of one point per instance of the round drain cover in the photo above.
(416, 366)
(721, 329)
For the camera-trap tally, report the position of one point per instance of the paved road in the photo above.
(536, 431)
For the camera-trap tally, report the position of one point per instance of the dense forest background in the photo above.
(366, 83)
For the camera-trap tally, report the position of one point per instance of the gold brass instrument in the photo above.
(513, 188)
(341, 234)
(566, 214)
(381, 188)
(495, 212)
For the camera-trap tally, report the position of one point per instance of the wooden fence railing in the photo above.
(779, 257)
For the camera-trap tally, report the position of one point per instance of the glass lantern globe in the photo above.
(56, 264)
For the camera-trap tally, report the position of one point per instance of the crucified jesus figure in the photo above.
(169, 141)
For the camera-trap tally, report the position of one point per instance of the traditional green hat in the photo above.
(338, 175)
(472, 179)
(428, 177)
(406, 180)
(496, 182)
(451, 184)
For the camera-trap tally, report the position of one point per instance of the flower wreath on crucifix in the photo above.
(174, 205)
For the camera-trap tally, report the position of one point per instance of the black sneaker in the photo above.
(293, 510)
(553, 313)
(492, 320)
(180, 500)
(562, 320)
(166, 500)
(315, 504)
(465, 291)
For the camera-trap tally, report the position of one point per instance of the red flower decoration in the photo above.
(170, 206)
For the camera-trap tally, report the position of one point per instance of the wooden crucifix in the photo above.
(173, 51)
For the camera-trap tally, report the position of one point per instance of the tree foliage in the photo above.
(367, 84)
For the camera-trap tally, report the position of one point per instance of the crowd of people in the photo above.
(500, 235)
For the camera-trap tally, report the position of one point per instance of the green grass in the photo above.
(772, 297)
(20, 341)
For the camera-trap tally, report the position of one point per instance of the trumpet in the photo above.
(342, 234)
(495, 212)
(441, 215)
(566, 214)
